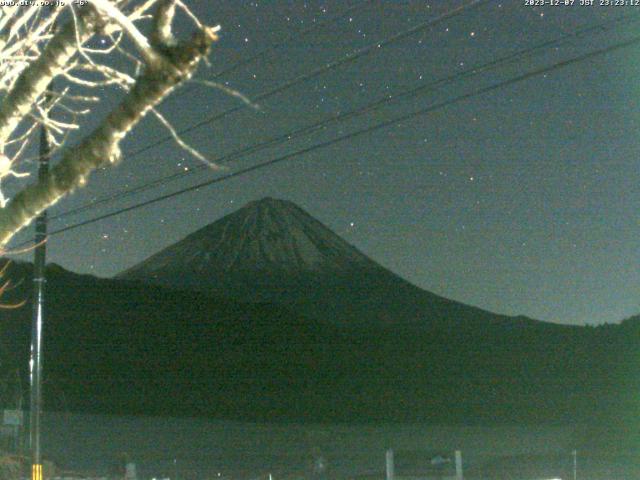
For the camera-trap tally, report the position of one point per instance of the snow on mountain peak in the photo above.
(264, 235)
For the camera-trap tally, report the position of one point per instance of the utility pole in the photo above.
(39, 280)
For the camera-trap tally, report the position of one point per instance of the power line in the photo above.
(379, 126)
(314, 73)
(349, 58)
(470, 72)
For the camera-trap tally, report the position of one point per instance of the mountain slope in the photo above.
(272, 250)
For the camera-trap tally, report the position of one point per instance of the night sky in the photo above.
(522, 200)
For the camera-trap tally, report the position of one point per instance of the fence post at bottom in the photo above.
(389, 462)
(459, 475)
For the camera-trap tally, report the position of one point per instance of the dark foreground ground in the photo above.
(199, 449)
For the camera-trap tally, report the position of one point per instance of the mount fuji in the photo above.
(273, 251)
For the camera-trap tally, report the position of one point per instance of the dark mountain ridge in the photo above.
(129, 348)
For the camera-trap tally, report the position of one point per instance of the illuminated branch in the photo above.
(35, 79)
(33, 53)
(101, 147)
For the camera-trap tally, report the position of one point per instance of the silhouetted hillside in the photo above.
(121, 347)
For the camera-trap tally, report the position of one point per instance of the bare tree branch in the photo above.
(35, 79)
(102, 147)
